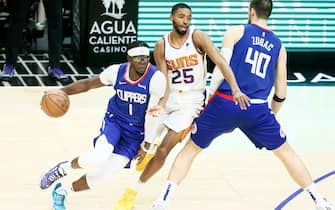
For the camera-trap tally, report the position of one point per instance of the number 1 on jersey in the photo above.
(130, 109)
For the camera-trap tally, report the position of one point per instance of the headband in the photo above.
(138, 51)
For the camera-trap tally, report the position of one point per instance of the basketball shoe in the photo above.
(7, 72)
(160, 205)
(57, 73)
(52, 175)
(127, 200)
(58, 199)
(324, 205)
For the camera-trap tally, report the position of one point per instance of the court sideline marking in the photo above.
(296, 193)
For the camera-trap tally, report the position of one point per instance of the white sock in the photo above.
(65, 167)
(314, 193)
(64, 189)
(137, 186)
(168, 192)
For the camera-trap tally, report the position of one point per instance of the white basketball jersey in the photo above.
(186, 70)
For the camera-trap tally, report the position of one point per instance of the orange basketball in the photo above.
(55, 104)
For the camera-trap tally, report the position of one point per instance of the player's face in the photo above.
(139, 63)
(181, 20)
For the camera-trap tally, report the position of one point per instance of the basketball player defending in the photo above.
(259, 63)
(180, 55)
(138, 86)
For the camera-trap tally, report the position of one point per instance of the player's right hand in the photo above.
(241, 99)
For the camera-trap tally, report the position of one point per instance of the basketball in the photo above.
(55, 104)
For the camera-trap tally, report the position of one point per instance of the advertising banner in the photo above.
(106, 27)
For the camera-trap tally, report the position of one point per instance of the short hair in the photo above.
(178, 6)
(263, 8)
(137, 43)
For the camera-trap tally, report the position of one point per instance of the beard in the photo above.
(175, 27)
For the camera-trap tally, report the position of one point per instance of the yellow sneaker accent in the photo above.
(127, 201)
(141, 166)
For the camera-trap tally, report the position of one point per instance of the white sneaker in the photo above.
(160, 205)
(325, 205)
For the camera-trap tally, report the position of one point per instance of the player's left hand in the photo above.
(54, 91)
(241, 99)
(140, 156)
(156, 110)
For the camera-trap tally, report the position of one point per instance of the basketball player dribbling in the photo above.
(138, 86)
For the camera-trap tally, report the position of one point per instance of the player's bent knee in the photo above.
(161, 153)
(100, 157)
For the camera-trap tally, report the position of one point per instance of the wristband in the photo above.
(152, 149)
(143, 147)
(277, 99)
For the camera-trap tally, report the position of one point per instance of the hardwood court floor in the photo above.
(230, 175)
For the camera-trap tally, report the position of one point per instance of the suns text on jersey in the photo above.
(182, 62)
(131, 97)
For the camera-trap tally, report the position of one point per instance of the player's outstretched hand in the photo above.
(156, 110)
(54, 91)
(241, 99)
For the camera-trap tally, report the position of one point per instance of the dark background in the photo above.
(307, 63)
